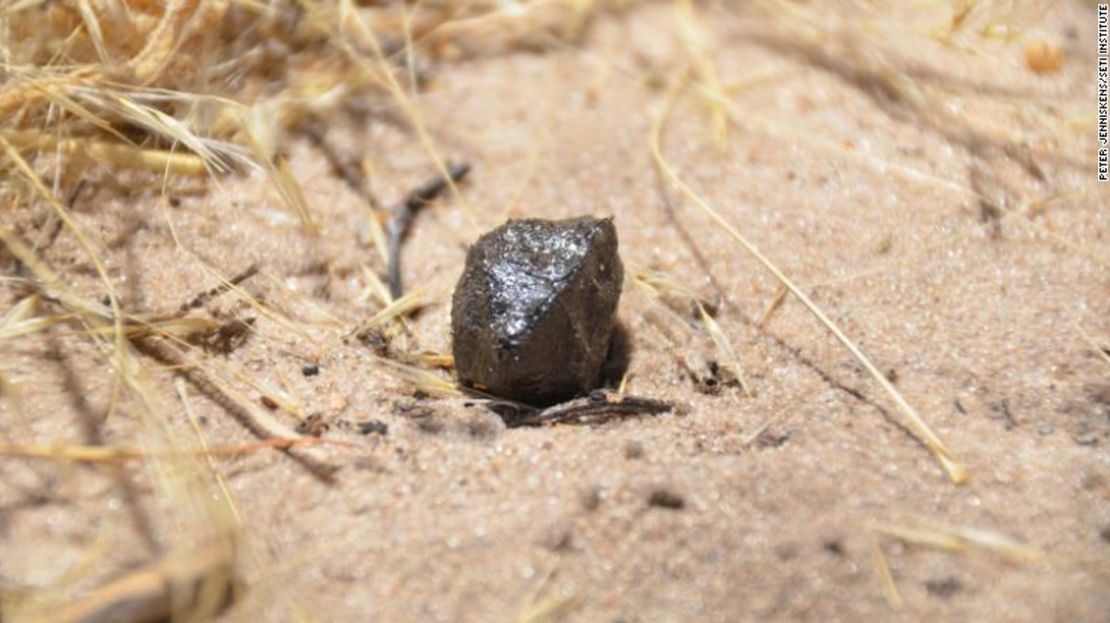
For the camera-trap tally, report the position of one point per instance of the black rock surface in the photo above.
(532, 316)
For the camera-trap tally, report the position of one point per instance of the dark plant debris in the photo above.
(373, 427)
(225, 338)
(405, 211)
(313, 425)
(944, 588)
(599, 407)
(201, 299)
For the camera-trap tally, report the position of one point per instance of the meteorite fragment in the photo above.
(532, 316)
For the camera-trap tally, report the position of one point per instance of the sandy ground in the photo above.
(880, 211)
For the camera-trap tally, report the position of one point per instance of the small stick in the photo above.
(347, 170)
(403, 214)
(598, 407)
(313, 128)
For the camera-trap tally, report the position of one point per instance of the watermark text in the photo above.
(1103, 79)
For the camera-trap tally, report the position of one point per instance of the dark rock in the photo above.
(833, 546)
(311, 369)
(532, 316)
(666, 498)
(373, 427)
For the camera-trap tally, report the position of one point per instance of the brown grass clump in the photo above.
(155, 94)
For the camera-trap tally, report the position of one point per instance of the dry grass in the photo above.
(962, 540)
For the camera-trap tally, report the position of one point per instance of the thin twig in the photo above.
(597, 408)
(313, 128)
(405, 211)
